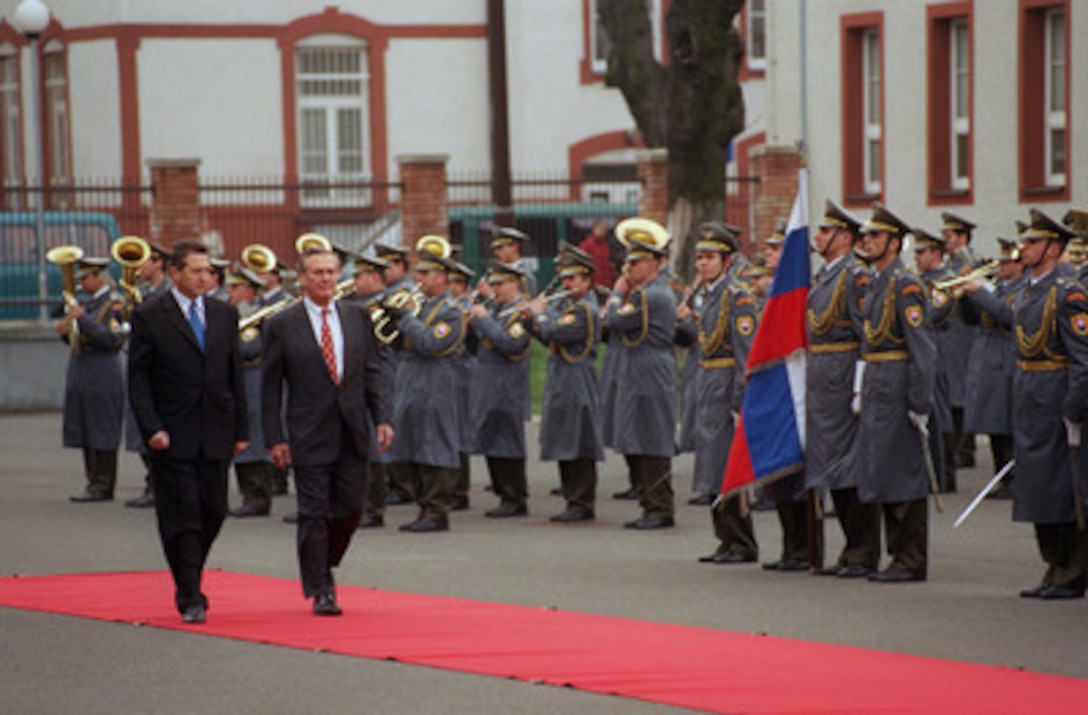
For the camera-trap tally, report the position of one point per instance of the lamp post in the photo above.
(32, 17)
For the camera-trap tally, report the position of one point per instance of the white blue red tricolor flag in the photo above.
(770, 439)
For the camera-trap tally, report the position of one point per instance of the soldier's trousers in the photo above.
(100, 468)
(433, 487)
(255, 484)
(1063, 548)
(377, 490)
(464, 479)
(906, 527)
(403, 480)
(508, 479)
(578, 478)
(860, 524)
(733, 529)
(793, 517)
(652, 478)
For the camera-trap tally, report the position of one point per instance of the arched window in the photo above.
(11, 125)
(56, 118)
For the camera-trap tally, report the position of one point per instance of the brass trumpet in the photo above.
(384, 330)
(131, 252)
(258, 258)
(983, 272)
(66, 257)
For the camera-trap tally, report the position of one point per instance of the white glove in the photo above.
(1072, 432)
(736, 418)
(920, 421)
(859, 380)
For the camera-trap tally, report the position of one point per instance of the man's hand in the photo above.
(385, 436)
(477, 311)
(537, 305)
(622, 285)
(484, 289)
(920, 421)
(682, 311)
(160, 441)
(240, 447)
(281, 455)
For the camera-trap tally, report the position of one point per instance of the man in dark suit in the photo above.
(326, 355)
(187, 392)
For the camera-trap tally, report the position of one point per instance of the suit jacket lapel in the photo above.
(174, 316)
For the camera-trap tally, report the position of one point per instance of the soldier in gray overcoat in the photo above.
(569, 431)
(460, 279)
(94, 390)
(500, 389)
(834, 325)
(642, 312)
(426, 411)
(959, 442)
(896, 398)
(988, 408)
(1049, 320)
(726, 316)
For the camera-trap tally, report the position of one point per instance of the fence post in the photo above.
(776, 167)
(175, 200)
(424, 199)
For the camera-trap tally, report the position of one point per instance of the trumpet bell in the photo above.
(258, 258)
(434, 245)
(312, 242)
(642, 230)
(130, 251)
(64, 255)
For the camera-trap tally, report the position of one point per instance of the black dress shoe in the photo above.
(701, 500)
(792, 565)
(371, 521)
(507, 509)
(626, 494)
(144, 501)
(325, 605)
(728, 556)
(650, 522)
(895, 574)
(459, 503)
(1036, 592)
(395, 498)
(572, 515)
(1055, 593)
(194, 614)
(853, 571)
(291, 518)
(425, 526)
(91, 496)
(832, 570)
(249, 510)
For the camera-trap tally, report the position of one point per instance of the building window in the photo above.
(331, 88)
(598, 44)
(11, 125)
(949, 103)
(757, 35)
(862, 97)
(1044, 139)
(56, 120)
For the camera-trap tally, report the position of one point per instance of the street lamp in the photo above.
(32, 17)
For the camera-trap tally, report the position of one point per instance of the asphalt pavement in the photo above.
(968, 609)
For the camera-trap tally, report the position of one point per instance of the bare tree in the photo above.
(692, 105)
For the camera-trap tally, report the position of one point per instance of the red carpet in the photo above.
(697, 668)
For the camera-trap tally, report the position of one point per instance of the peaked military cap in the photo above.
(574, 261)
(498, 272)
(461, 272)
(1042, 226)
(368, 264)
(925, 239)
(779, 236)
(157, 249)
(758, 267)
(952, 222)
(505, 235)
(240, 275)
(89, 266)
(1008, 250)
(838, 217)
(884, 220)
(391, 253)
(716, 236)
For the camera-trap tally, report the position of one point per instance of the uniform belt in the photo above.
(887, 356)
(1041, 365)
(718, 362)
(818, 348)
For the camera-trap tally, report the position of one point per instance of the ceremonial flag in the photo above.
(770, 437)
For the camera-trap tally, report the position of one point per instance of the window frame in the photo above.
(1036, 123)
(11, 125)
(864, 141)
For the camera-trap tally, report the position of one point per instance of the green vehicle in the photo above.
(92, 231)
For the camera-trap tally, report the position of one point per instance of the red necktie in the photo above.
(327, 350)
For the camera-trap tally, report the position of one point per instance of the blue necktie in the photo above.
(198, 325)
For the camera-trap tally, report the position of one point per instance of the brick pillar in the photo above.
(653, 172)
(776, 167)
(424, 198)
(175, 203)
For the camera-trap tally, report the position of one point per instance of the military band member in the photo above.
(960, 444)
(726, 315)
(506, 247)
(274, 290)
(369, 284)
(1049, 319)
(218, 290)
(992, 366)
(642, 312)
(426, 403)
(460, 278)
(397, 278)
(153, 281)
(569, 432)
(929, 252)
(500, 388)
(94, 389)
(252, 467)
(896, 398)
(834, 324)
